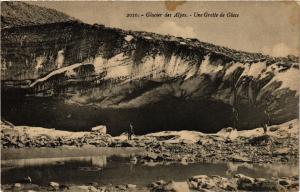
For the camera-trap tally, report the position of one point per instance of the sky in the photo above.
(271, 28)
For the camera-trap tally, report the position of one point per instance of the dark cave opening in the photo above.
(172, 114)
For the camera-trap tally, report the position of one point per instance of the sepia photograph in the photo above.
(150, 96)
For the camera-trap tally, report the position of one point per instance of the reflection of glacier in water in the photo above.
(272, 170)
(120, 170)
(99, 161)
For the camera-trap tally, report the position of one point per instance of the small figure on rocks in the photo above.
(130, 131)
(265, 121)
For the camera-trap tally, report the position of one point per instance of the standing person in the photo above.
(130, 131)
(265, 121)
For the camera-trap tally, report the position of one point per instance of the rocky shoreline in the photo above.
(204, 183)
(279, 144)
(28, 137)
(260, 149)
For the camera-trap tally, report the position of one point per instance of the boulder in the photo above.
(20, 145)
(157, 183)
(203, 182)
(284, 182)
(230, 187)
(82, 188)
(243, 178)
(267, 186)
(238, 158)
(93, 189)
(245, 186)
(130, 186)
(274, 128)
(198, 177)
(281, 151)
(99, 143)
(151, 156)
(250, 184)
(193, 185)
(160, 182)
(244, 182)
(99, 129)
(10, 132)
(176, 186)
(228, 133)
(54, 184)
(207, 185)
(17, 185)
(184, 160)
(121, 187)
(260, 140)
(259, 179)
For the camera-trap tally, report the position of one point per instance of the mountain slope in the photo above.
(14, 13)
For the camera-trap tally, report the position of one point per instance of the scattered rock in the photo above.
(204, 183)
(54, 184)
(199, 177)
(121, 187)
(174, 186)
(261, 140)
(130, 186)
(157, 183)
(267, 186)
(274, 128)
(193, 184)
(170, 149)
(260, 179)
(238, 158)
(93, 189)
(151, 156)
(281, 151)
(184, 160)
(284, 182)
(230, 187)
(100, 129)
(243, 178)
(17, 185)
(82, 188)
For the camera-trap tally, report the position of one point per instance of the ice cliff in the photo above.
(117, 69)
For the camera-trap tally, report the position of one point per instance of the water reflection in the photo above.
(262, 170)
(98, 161)
(122, 170)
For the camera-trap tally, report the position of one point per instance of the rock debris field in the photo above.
(278, 145)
